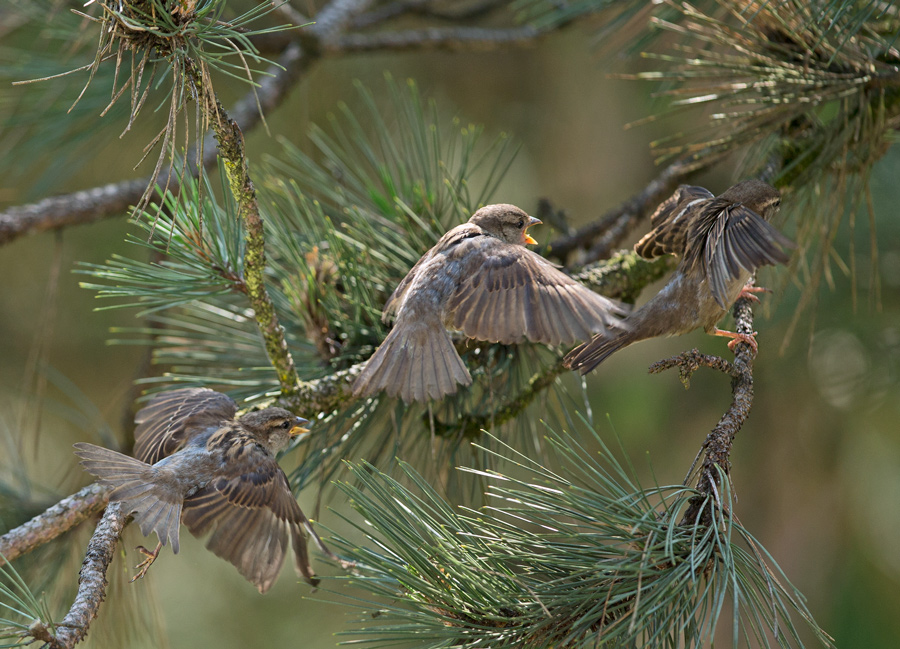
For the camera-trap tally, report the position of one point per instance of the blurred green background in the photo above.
(817, 468)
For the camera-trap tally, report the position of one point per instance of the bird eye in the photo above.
(521, 223)
(286, 424)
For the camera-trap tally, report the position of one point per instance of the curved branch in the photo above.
(427, 9)
(77, 208)
(716, 450)
(327, 35)
(55, 521)
(114, 199)
(92, 578)
(600, 237)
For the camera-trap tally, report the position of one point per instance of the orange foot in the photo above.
(144, 565)
(749, 292)
(737, 338)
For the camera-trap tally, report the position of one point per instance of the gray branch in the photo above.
(716, 450)
(63, 516)
(600, 237)
(327, 36)
(92, 578)
(444, 38)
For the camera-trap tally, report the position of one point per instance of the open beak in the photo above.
(299, 427)
(528, 238)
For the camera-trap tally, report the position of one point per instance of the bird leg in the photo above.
(737, 338)
(144, 565)
(749, 291)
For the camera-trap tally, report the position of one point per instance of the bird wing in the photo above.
(669, 233)
(449, 241)
(250, 511)
(511, 293)
(735, 240)
(396, 299)
(170, 419)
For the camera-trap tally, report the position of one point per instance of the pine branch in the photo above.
(237, 169)
(328, 35)
(624, 275)
(77, 208)
(601, 236)
(717, 448)
(576, 556)
(55, 521)
(313, 398)
(437, 38)
(92, 578)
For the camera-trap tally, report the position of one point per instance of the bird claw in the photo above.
(749, 292)
(144, 565)
(738, 338)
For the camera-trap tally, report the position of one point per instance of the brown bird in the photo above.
(722, 240)
(481, 280)
(198, 465)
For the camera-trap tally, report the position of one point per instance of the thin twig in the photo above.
(58, 519)
(716, 450)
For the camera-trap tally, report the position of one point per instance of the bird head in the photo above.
(274, 427)
(759, 196)
(506, 222)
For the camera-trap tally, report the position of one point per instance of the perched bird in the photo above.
(721, 240)
(479, 279)
(198, 465)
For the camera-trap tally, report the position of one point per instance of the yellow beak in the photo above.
(528, 238)
(299, 428)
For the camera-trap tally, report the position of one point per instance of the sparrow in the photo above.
(195, 463)
(721, 240)
(479, 279)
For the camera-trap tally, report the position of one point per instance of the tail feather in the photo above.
(589, 355)
(301, 556)
(416, 362)
(156, 508)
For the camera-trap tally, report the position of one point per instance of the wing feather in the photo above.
(249, 512)
(670, 232)
(516, 294)
(170, 419)
(737, 242)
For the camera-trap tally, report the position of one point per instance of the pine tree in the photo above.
(266, 279)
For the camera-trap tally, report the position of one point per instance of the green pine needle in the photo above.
(573, 558)
(19, 608)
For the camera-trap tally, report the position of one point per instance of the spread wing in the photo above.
(735, 240)
(251, 513)
(669, 221)
(450, 240)
(513, 294)
(171, 418)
